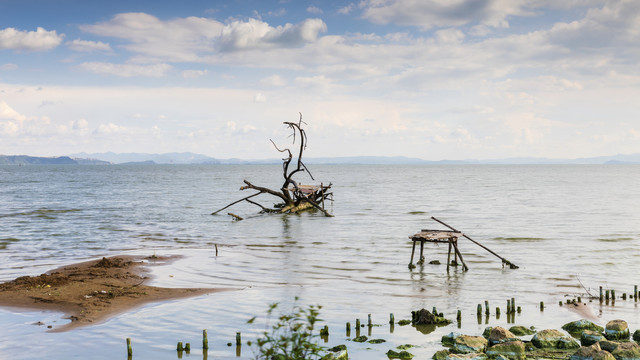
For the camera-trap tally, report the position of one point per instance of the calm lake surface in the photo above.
(569, 228)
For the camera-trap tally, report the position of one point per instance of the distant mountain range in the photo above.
(191, 158)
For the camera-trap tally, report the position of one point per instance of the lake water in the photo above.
(569, 228)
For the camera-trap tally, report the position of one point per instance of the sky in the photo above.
(432, 79)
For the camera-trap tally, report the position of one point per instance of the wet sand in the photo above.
(92, 292)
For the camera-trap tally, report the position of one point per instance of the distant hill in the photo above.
(36, 160)
(192, 158)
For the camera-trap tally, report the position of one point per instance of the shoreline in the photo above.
(93, 291)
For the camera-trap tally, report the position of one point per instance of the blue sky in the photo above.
(435, 79)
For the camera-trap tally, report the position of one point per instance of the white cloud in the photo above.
(260, 98)
(193, 74)
(126, 70)
(110, 128)
(8, 113)
(314, 10)
(181, 39)
(89, 46)
(427, 14)
(7, 67)
(253, 33)
(39, 40)
(274, 80)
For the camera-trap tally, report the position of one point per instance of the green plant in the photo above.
(291, 337)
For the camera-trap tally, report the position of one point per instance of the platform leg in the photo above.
(421, 252)
(449, 255)
(413, 251)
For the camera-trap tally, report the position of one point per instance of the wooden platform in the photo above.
(438, 236)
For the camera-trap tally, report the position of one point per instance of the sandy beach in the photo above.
(92, 292)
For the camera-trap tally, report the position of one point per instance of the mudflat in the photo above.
(93, 291)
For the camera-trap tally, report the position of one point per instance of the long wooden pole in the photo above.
(511, 265)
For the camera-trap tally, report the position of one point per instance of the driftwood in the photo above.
(293, 197)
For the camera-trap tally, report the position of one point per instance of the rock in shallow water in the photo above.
(554, 339)
(593, 352)
(617, 330)
(499, 335)
(589, 337)
(513, 350)
(577, 327)
(465, 344)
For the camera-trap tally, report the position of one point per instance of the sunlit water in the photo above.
(570, 229)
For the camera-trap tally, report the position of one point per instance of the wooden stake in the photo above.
(129, 350)
(600, 293)
(180, 347)
(369, 320)
(479, 311)
(391, 319)
(238, 339)
(541, 305)
(187, 347)
(205, 341)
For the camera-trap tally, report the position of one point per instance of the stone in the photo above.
(513, 350)
(487, 332)
(555, 339)
(471, 356)
(636, 335)
(499, 335)
(360, 339)
(627, 351)
(339, 355)
(519, 330)
(425, 317)
(577, 327)
(338, 348)
(608, 345)
(617, 330)
(399, 355)
(376, 341)
(466, 344)
(440, 355)
(449, 339)
(593, 352)
(590, 337)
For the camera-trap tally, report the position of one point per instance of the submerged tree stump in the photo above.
(293, 197)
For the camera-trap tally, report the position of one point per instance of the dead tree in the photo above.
(294, 197)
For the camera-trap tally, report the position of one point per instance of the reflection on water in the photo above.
(570, 229)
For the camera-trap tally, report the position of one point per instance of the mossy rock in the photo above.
(589, 337)
(471, 356)
(520, 330)
(578, 326)
(338, 348)
(549, 353)
(465, 344)
(399, 355)
(404, 322)
(425, 317)
(617, 330)
(553, 339)
(593, 352)
(636, 335)
(608, 345)
(627, 351)
(487, 332)
(440, 355)
(449, 339)
(512, 350)
(339, 355)
(405, 347)
(376, 341)
(360, 339)
(499, 335)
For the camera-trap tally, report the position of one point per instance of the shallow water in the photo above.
(569, 228)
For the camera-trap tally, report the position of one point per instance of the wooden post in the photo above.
(600, 293)
(238, 339)
(391, 319)
(129, 350)
(180, 347)
(348, 329)
(413, 250)
(459, 315)
(479, 311)
(421, 252)
(541, 305)
(205, 341)
(449, 255)
(464, 266)
(369, 320)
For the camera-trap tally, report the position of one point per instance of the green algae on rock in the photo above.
(360, 339)
(593, 352)
(376, 341)
(471, 356)
(440, 355)
(399, 355)
(450, 338)
(590, 337)
(578, 326)
(617, 330)
(553, 339)
(627, 351)
(520, 330)
(511, 350)
(500, 335)
(465, 344)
